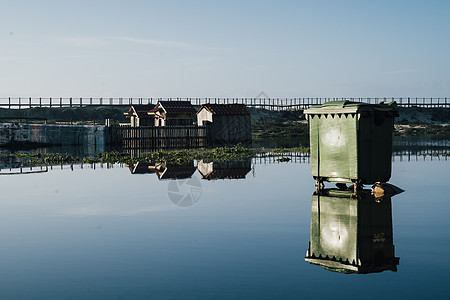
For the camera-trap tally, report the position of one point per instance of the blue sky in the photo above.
(133, 48)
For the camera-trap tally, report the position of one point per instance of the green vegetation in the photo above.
(423, 129)
(272, 129)
(172, 156)
(275, 129)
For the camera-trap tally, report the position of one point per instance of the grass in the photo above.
(234, 153)
(272, 129)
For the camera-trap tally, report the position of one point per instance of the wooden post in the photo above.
(19, 102)
(30, 101)
(70, 102)
(9, 102)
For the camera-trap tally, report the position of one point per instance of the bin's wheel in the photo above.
(357, 186)
(319, 185)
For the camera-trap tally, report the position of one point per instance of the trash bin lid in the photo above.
(334, 107)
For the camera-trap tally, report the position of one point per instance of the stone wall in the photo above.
(53, 134)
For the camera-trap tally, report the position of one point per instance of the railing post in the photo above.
(30, 101)
(9, 102)
(19, 103)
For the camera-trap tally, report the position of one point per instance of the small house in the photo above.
(227, 123)
(139, 116)
(173, 113)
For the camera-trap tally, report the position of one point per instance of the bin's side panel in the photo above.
(375, 239)
(337, 149)
(375, 146)
(381, 130)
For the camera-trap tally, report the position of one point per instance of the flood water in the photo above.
(118, 232)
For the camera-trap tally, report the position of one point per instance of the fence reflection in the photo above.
(10, 165)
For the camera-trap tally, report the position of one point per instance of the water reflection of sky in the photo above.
(107, 233)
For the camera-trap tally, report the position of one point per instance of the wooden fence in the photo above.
(266, 103)
(158, 137)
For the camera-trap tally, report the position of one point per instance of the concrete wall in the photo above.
(54, 134)
(226, 129)
(230, 129)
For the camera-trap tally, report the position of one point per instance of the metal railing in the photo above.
(266, 103)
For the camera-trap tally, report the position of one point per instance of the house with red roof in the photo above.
(139, 116)
(173, 113)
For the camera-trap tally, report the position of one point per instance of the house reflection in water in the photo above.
(164, 170)
(351, 234)
(224, 170)
(141, 167)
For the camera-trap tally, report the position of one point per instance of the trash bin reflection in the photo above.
(351, 234)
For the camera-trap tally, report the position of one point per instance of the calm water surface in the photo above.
(110, 234)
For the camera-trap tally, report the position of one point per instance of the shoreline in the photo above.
(280, 128)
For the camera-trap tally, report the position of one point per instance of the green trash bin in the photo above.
(351, 142)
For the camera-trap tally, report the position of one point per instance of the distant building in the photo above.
(227, 123)
(173, 113)
(139, 116)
